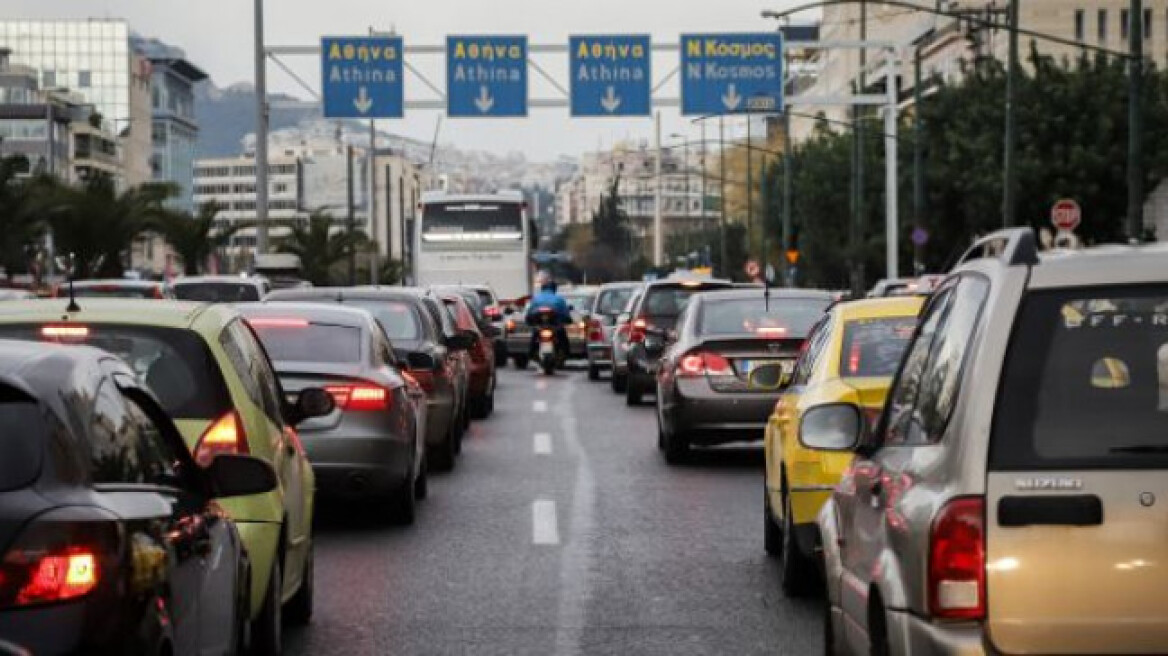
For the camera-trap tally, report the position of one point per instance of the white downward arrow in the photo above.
(731, 99)
(484, 102)
(363, 103)
(611, 101)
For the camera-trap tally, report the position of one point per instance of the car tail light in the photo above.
(510, 325)
(225, 435)
(637, 329)
(854, 359)
(694, 365)
(360, 398)
(56, 561)
(595, 331)
(771, 331)
(65, 332)
(492, 312)
(546, 334)
(425, 379)
(957, 560)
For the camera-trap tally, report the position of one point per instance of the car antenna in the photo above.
(69, 265)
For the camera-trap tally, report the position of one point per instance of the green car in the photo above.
(213, 377)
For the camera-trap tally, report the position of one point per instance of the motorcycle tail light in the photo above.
(546, 334)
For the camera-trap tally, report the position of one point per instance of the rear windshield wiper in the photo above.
(1140, 448)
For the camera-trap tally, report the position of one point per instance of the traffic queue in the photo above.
(152, 433)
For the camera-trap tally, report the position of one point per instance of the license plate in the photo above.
(546, 348)
(747, 366)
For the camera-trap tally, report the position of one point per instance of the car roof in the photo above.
(49, 372)
(120, 282)
(341, 293)
(627, 284)
(877, 308)
(129, 311)
(775, 294)
(331, 313)
(191, 280)
(687, 282)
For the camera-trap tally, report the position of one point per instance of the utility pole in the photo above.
(1009, 173)
(352, 220)
(725, 268)
(658, 240)
(788, 237)
(857, 234)
(1135, 150)
(918, 160)
(891, 188)
(702, 215)
(261, 149)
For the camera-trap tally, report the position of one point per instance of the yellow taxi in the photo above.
(849, 357)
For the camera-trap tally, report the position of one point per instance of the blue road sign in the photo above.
(731, 73)
(486, 76)
(611, 75)
(362, 76)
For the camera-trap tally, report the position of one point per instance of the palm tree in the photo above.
(20, 224)
(98, 224)
(195, 238)
(318, 246)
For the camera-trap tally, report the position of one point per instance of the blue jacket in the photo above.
(549, 299)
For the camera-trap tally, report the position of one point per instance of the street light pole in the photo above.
(788, 237)
(725, 268)
(352, 220)
(261, 149)
(1135, 150)
(918, 159)
(749, 186)
(658, 239)
(1009, 173)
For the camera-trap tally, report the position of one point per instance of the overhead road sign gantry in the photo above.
(611, 75)
(486, 76)
(361, 76)
(731, 73)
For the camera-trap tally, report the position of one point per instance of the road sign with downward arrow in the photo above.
(611, 75)
(486, 76)
(362, 77)
(731, 73)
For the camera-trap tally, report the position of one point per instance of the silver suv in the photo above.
(1013, 497)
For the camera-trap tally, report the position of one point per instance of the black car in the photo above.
(731, 351)
(416, 322)
(657, 309)
(111, 539)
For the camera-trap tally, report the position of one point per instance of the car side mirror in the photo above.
(419, 361)
(312, 402)
(832, 427)
(232, 475)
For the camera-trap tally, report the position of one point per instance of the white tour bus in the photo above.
(474, 239)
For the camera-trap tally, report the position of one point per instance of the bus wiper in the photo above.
(1140, 448)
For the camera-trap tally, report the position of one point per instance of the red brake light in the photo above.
(54, 561)
(225, 435)
(65, 332)
(854, 359)
(957, 560)
(595, 331)
(277, 322)
(57, 578)
(703, 364)
(771, 330)
(492, 312)
(359, 397)
(637, 330)
(424, 378)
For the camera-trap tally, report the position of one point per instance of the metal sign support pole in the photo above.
(261, 149)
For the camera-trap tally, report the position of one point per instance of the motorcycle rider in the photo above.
(561, 313)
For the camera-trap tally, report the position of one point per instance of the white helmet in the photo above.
(542, 278)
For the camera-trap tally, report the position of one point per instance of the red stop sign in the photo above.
(1066, 215)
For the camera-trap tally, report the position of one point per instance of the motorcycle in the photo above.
(548, 354)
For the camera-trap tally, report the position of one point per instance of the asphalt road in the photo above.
(562, 532)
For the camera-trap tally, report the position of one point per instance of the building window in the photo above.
(84, 79)
(1124, 24)
(1078, 24)
(1102, 25)
(50, 78)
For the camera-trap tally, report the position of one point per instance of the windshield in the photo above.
(1087, 383)
(292, 341)
(873, 347)
(472, 221)
(782, 317)
(216, 292)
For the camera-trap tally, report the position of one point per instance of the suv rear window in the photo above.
(781, 317)
(874, 347)
(23, 442)
(173, 362)
(308, 342)
(1086, 382)
(216, 292)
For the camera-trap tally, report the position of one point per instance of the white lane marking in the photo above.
(543, 444)
(576, 561)
(539, 406)
(544, 528)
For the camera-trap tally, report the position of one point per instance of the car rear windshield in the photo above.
(114, 291)
(217, 292)
(874, 347)
(1085, 384)
(485, 297)
(780, 317)
(613, 301)
(23, 443)
(669, 300)
(296, 341)
(399, 319)
(174, 363)
(579, 302)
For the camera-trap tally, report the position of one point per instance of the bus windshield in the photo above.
(472, 221)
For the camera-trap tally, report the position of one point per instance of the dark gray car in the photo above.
(372, 445)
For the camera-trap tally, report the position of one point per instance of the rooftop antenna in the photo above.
(69, 266)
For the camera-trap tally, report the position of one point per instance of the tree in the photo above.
(195, 238)
(98, 223)
(20, 224)
(319, 245)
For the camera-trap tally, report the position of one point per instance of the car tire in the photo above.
(675, 442)
(829, 646)
(241, 638)
(878, 630)
(422, 482)
(593, 372)
(267, 637)
(441, 457)
(797, 572)
(483, 406)
(772, 536)
(298, 610)
(519, 361)
(403, 504)
(633, 392)
(619, 382)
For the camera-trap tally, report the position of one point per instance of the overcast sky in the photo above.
(217, 36)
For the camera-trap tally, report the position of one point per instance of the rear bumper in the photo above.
(61, 629)
(352, 466)
(709, 417)
(600, 355)
(909, 634)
